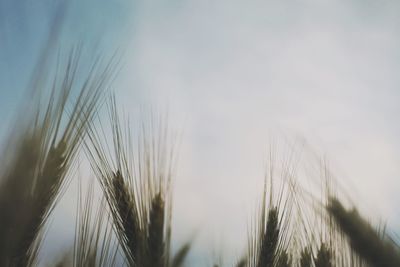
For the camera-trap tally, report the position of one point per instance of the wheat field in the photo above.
(132, 224)
(73, 119)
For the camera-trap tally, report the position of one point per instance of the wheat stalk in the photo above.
(179, 258)
(94, 243)
(33, 180)
(324, 257)
(363, 238)
(136, 183)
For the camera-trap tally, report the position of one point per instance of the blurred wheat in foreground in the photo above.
(132, 224)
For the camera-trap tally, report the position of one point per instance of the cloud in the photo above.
(234, 72)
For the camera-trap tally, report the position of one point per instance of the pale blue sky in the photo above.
(233, 74)
(24, 31)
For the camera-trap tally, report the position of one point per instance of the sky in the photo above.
(235, 75)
